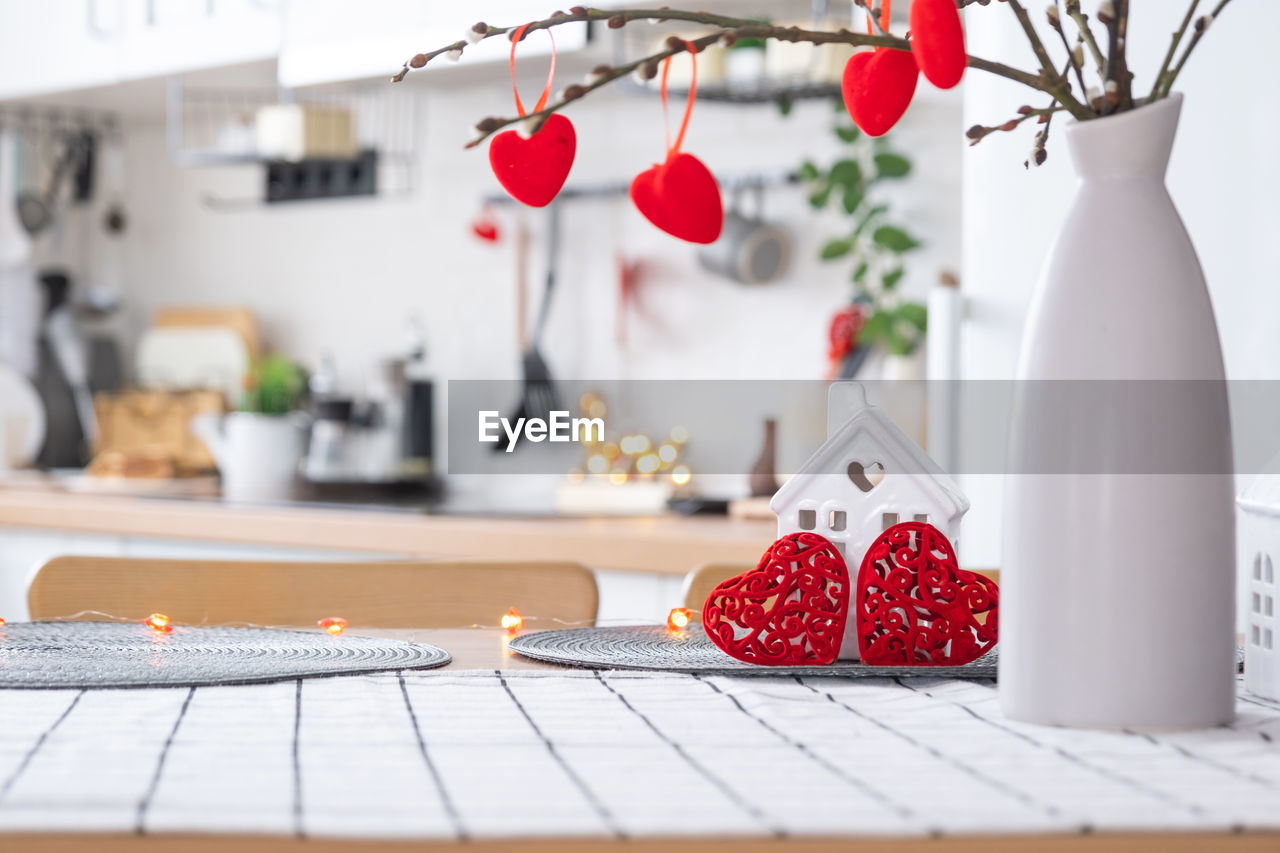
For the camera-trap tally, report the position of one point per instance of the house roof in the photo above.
(903, 457)
(1263, 492)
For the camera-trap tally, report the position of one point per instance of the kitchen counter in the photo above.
(666, 545)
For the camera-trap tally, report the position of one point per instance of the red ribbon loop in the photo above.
(672, 150)
(516, 38)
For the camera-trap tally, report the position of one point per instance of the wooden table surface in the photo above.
(663, 544)
(486, 649)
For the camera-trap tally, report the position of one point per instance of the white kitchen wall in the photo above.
(1224, 178)
(345, 276)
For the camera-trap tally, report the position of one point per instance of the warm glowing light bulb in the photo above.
(617, 477)
(648, 463)
(512, 621)
(335, 625)
(679, 434)
(667, 453)
(640, 443)
(627, 444)
(159, 623)
(680, 475)
(597, 464)
(2, 622)
(678, 619)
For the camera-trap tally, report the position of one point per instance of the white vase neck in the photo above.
(1133, 144)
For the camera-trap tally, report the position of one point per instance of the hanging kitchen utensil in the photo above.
(538, 394)
(36, 210)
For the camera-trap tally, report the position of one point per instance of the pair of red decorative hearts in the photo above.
(913, 604)
(878, 85)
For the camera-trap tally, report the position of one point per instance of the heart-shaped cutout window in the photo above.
(865, 477)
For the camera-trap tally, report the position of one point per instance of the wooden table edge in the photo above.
(1127, 842)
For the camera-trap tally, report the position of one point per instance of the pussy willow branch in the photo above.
(1086, 34)
(1173, 49)
(1058, 85)
(1201, 27)
(730, 26)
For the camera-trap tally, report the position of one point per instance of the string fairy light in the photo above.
(512, 621)
(159, 623)
(334, 625)
(679, 618)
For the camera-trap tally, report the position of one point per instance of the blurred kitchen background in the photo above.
(213, 205)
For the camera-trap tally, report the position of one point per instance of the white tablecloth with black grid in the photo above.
(464, 755)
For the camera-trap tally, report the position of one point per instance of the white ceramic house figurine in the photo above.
(1259, 548)
(867, 477)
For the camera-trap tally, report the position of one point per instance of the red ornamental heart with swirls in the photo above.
(790, 609)
(915, 606)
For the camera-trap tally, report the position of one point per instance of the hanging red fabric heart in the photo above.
(790, 609)
(914, 605)
(680, 195)
(534, 168)
(937, 41)
(878, 87)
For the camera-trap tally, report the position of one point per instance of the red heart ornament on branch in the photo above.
(533, 169)
(878, 87)
(682, 198)
(937, 41)
(680, 195)
(914, 605)
(790, 609)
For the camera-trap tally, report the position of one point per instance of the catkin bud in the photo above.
(728, 39)
(1011, 124)
(1202, 23)
(674, 43)
(454, 55)
(976, 132)
(1024, 110)
(1077, 55)
(1051, 12)
(418, 61)
(477, 32)
(488, 125)
(617, 22)
(1106, 12)
(572, 93)
(1039, 155)
(578, 10)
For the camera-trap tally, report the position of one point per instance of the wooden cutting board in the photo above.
(241, 320)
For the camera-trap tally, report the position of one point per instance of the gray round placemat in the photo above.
(128, 654)
(653, 647)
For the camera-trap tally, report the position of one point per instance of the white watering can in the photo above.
(257, 455)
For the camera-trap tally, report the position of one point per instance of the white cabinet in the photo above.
(327, 41)
(58, 45)
(55, 46)
(159, 37)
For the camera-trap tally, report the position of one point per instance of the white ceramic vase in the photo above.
(1117, 582)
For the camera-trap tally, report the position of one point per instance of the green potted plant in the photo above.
(258, 448)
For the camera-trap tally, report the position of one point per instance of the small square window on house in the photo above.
(1266, 638)
(1268, 570)
(808, 519)
(922, 517)
(1257, 603)
(837, 520)
(889, 519)
(1268, 606)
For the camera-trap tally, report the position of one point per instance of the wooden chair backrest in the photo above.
(453, 594)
